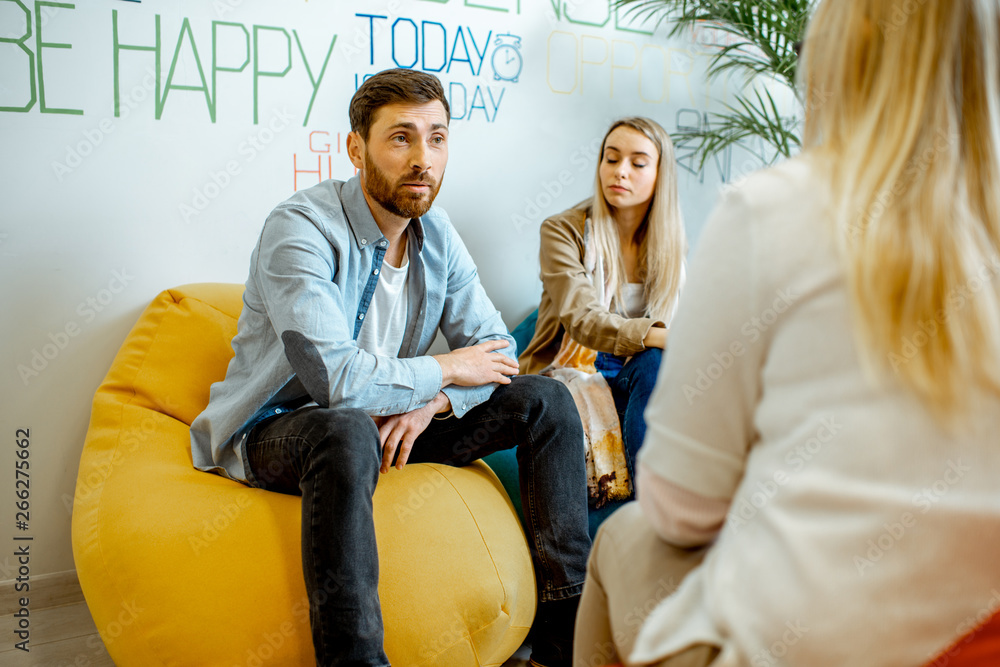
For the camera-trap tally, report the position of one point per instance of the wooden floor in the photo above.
(64, 635)
(61, 636)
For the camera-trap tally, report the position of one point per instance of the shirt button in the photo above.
(381, 243)
(277, 411)
(364, 241)
(375, 272)
(361, 316)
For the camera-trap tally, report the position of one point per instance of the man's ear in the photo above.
(356, 150)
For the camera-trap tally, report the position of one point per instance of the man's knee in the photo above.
(539, 391)
(346, 439)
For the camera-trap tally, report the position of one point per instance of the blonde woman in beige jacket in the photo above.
(612, 269)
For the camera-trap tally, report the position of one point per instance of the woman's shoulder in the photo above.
(800, 183)
(784, 206)
(574, 218)
(781, 219)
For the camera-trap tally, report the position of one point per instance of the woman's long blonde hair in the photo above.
(661, 237)
(904, 97)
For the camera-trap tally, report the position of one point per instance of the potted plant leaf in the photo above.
(762, 38)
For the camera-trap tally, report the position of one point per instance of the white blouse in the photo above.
(859, 531)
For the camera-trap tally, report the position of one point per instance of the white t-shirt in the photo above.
(860, 532)
(382, 331)
(634, 301)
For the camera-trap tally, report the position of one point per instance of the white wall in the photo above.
(104, 206)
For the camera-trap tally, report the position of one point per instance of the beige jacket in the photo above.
(570, 301)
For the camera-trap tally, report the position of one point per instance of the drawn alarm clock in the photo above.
(506, 60)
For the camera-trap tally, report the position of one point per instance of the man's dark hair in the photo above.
(393, 86)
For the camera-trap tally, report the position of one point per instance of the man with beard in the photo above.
(331, 383)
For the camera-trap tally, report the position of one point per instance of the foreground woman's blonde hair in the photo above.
(903, 96)
(661, 236)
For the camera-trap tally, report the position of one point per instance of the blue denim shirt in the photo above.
(312, 277)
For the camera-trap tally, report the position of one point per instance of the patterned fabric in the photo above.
(608, 478)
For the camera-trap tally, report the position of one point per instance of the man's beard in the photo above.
(396, 199)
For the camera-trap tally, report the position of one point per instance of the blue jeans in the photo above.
(331, 456)
(631, 384)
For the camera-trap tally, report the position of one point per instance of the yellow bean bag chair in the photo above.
(181, 567)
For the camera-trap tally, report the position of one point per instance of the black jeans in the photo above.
(331, 456)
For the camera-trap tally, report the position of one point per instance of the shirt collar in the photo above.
(366, 231)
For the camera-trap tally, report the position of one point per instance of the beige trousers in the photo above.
(629, 572)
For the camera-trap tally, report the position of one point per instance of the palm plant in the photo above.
(763, 39)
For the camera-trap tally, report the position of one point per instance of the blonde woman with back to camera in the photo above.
(612, 268)
(831, 498)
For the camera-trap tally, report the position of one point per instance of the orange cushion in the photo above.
(979, 647)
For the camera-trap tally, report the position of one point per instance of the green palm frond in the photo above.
(751, 115)
(761, 35)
